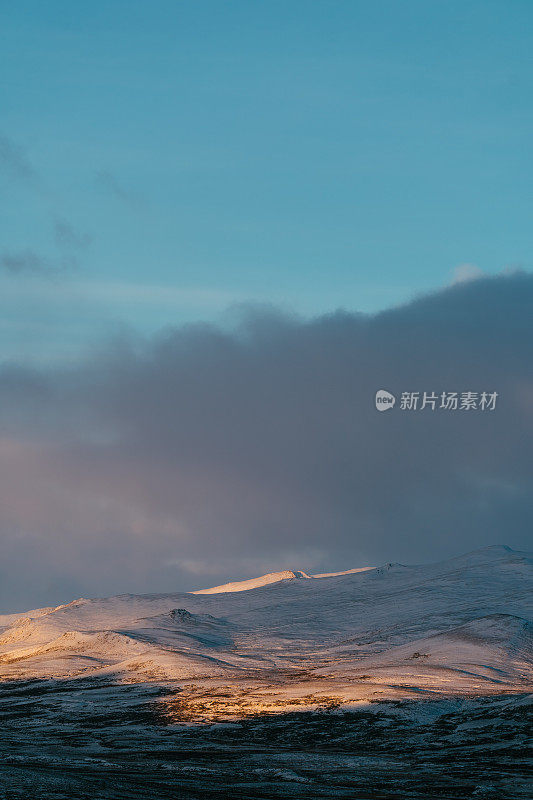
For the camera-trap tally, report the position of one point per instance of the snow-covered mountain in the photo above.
(254, 583)
(290, 640)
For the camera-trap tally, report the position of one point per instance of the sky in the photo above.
(162, 162)
(224, 227)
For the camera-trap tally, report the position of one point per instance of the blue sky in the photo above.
(162, 162)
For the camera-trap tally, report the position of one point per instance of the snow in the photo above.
(345, 572)
(274, 577)
(289, 641)
(254, 583)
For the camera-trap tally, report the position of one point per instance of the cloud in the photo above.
(107, 181)
(28, 262)
(24, 261)
(14, 162)
(466, 272)
(67, 237)
(189, 458)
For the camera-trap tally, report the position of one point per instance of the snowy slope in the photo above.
(458, 627)
(254, 583)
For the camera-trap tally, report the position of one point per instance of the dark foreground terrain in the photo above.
(92, 740)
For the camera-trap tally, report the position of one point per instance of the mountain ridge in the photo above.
(452, 628)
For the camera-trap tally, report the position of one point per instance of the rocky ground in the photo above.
(94, 740)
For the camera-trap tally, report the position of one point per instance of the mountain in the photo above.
(254, 583)
(396, 681)
(289, 640)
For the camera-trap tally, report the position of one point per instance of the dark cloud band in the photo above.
(205, 454)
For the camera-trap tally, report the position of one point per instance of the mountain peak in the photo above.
(255, 583)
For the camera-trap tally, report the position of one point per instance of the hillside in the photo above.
(288, 640)
(393, 682)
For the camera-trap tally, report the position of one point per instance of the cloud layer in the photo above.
(14, 162)
(206, 454)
